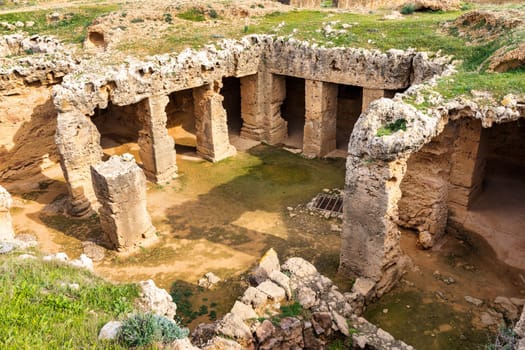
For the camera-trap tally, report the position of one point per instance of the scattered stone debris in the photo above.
(473, 300)
(208, 280)
(322, 312)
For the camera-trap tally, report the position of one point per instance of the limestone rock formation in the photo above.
(120, 186)
(406, 178)
(506, 58)
(437, 5)
(6, 223)
(260, 61)
(155, 300)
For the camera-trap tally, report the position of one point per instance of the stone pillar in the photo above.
(157, 148)
(120, 187)
(321, 117)
(6, 224)
(253, 96)
(370, 95)
(213, 142)
(78, 143)
(370, 238)
(468, 165)
(275, 93)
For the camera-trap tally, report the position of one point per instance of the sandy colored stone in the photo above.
(6, 223)
(120, 186)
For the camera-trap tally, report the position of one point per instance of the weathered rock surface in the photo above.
(6, 223)
(208, 280)
(155, 300)
(120, 186)
(259, 60)
(110, 330)
(437, 5)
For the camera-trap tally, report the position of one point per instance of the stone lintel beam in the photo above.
(120, 187)
(213, 142)
(157, 148)
(320, 118)
(275, 93)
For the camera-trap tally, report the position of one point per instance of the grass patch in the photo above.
(40, 311)
(72, 28)
(193, 14)
(390, 128)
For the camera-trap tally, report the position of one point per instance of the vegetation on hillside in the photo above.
(48, 305)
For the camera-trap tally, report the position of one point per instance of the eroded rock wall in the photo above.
(260, 61)
(445, 170)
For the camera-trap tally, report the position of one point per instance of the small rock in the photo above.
(299, 267)
(473, 300)
(93, 250)
(110, 330)
(83, 262)
(156, 300)
(365, 287)
(243, 311)
(517, 301)
(26, 257)
(385, 311)
(272, 290)
(335, 228)
(56, 257)
(306, 297)
(232, 326)
(283, 281)
(209, 280)
(264, 331)
(270, 262)
(6, 247)
(253, 296)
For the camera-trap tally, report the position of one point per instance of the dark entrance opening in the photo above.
(498, 210)
(181, 120)
(119, 128)
(231, 91)
(293, 111)
(349, 105)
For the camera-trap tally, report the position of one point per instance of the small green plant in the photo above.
(390, 128)
(245, 29)
(466, 6)
(213, 14)
(506, 339)
(408, 9)
(143, 329)
(291, 310)
(193, 14)
(137, 20)
(168, 18)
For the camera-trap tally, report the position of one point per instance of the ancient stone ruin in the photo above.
(418, 164)
(279, 93)
(120, 187)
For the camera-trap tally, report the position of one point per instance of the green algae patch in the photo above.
(425, 323)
